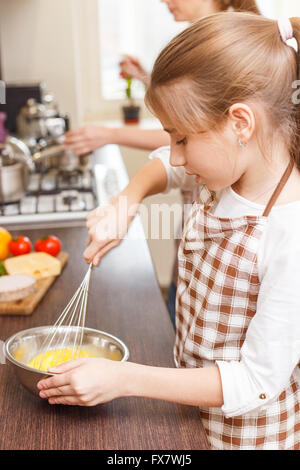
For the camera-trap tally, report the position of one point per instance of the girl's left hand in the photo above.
(84, 382)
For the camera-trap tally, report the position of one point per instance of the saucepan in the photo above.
(57, 157)
(15, 166)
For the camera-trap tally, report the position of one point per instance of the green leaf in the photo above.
(128, 89)
(2, 269)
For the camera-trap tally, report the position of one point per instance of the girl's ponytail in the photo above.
(239, 5)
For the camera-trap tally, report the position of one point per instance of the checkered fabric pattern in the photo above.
(276, 428)
(217, 293)
(200, 192)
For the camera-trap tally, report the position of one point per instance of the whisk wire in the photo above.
(81, 320)
(49, 340)
(72, 320)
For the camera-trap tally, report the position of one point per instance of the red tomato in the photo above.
(50, 245)
(20, 246)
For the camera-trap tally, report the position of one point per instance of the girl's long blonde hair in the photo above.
(224, 59)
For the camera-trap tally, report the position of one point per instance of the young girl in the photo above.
(223, 89)
(91, 137)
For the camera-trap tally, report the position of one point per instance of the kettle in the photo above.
(30, 120)
(55, 123)
(36, 121)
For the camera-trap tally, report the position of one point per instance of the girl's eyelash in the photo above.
(182, 141)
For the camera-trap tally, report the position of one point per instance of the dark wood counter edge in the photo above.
(125, 300)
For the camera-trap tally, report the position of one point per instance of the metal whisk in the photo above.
(68, 329)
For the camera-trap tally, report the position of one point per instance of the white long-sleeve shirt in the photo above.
(271, 350)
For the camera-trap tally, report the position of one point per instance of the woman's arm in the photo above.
(89, 382)
(147, 139)
(88, 138)
(108, 225)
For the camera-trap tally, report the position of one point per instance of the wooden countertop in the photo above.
(125, 300)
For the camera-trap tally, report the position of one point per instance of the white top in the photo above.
(271, 350)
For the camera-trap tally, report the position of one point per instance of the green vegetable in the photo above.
(2, 269)
(128, 89)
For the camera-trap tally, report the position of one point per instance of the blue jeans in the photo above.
(171, 303)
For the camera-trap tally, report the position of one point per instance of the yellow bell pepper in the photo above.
(5, 239)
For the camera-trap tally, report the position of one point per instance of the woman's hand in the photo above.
(132, 68)
(88, 138)
(107, 226)
(84, 382)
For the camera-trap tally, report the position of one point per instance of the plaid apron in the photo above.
(217, 291)
(188, 198)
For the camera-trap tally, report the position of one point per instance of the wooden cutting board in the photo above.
(27, 305)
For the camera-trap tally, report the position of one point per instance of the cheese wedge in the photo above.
(39, 265)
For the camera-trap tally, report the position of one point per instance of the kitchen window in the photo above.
(140, 28)
(107, 29)
(278, 8)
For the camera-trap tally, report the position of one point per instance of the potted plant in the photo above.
(131, 111)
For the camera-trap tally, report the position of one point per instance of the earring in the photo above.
(242, 144)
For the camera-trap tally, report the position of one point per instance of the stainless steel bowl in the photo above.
(23, 346)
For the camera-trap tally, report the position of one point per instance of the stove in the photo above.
(61, 198)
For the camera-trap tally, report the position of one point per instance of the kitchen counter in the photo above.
(125, 300)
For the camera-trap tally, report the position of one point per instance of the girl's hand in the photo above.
(132, 68)
(84, 382)
(88, 138)
(91, 381)
(107, 226)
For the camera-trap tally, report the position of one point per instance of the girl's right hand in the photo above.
(107, 226)
(131, 67)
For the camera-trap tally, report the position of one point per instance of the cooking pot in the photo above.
(16, 163)
(55, 156)
(14, 172)
(47, 156)
(13, 182)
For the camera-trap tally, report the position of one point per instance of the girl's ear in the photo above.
(242, 121)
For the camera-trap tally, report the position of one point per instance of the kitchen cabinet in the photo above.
(125, 300)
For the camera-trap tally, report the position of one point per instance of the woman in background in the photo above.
(88, 138)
